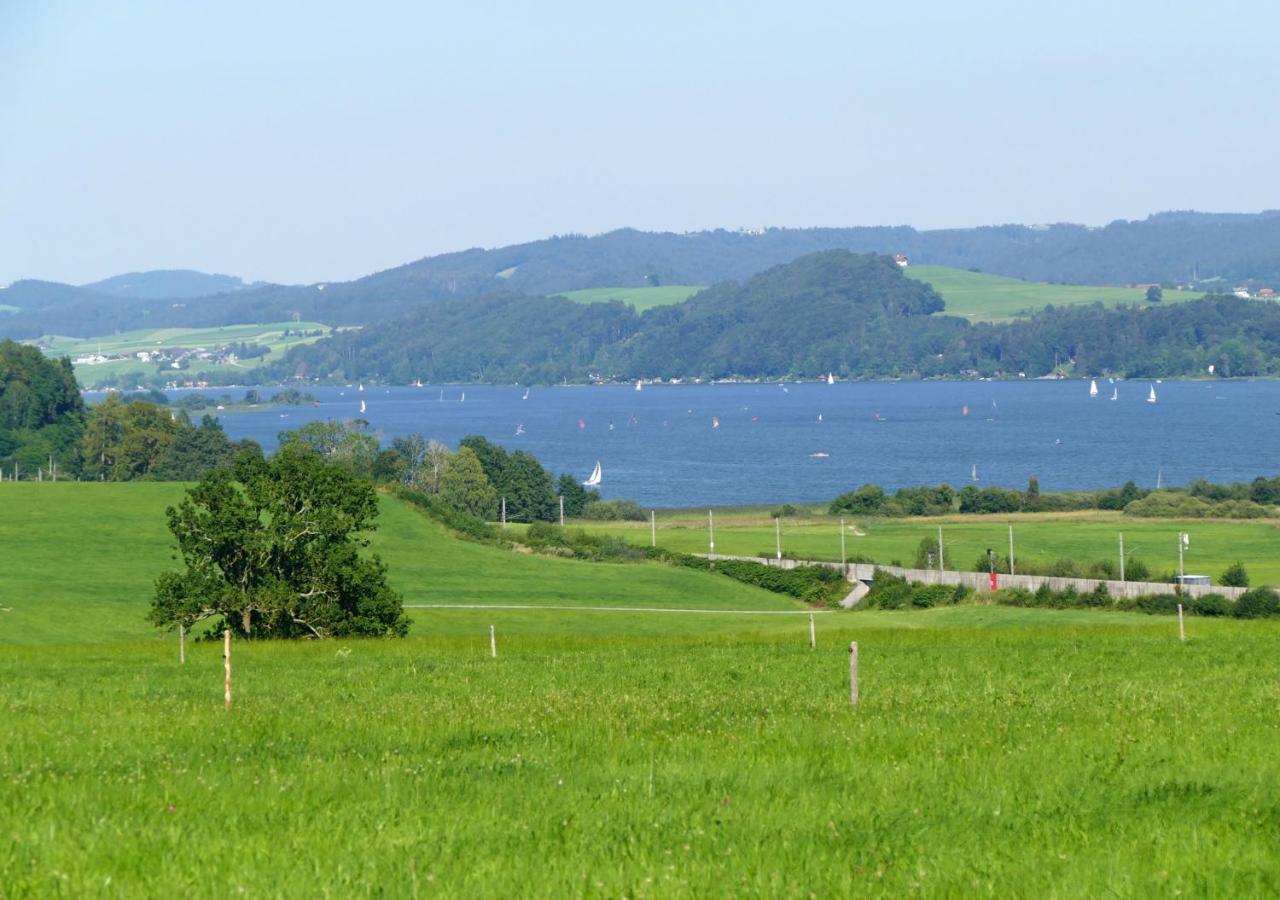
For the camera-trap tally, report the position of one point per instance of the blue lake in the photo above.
(659, 447)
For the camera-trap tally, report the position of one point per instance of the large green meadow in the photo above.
(997, 298)
(976, 296)
(995, 751)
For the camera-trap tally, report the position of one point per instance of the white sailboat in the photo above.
(831, 379)
(463, 398)
(442, 395)
(526, 394)
(417, 382)
(973, 473)
(360, 387)
(1151, 397)
(1115, 393)
(639, 385)
(596, 475)
(362, 407)
(519, 429)
(1093, 388)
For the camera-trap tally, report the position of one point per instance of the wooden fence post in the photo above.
(813, 635)
(493, 642)
(182, 643)
(226, 662)
(1182, 629)
(853, 673)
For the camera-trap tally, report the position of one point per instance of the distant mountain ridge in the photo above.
(1221, 249)
(160, 284)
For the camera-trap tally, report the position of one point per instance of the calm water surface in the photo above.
(659, 447)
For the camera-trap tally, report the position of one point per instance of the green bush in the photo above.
(821, 585)
(613, 511)
(888, 591)
(1257, 604)
(1209, 605)
(1235, 575)
(784, 511)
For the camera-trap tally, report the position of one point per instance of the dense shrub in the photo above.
(1235, 575)
(1210, 605)
(888, 591)
(821, 585)
(579, 544)
(785, 511)
(462, 523)
(613, 511)
(1257, 603)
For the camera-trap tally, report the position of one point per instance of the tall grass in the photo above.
(994, 752)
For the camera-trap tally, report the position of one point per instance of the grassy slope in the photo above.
(640, 298)
(1085, 537)
(81, 559)
(994, 298)
(1008, 752)
(268, 334)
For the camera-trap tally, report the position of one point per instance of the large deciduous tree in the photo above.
(273, 548)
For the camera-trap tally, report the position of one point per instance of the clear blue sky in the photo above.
(315, 141)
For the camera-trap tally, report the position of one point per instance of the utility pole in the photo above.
(653, 528)
(711, 536)
(942, 565)
(1012, 570)
(843, 556)
(1184, 540)
(777, 536)
(504, 512)
(1122, 556)
(562, 511)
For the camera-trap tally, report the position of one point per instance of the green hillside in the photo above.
(90, 553)
(639, 299)
(271, 335)
(980, 297)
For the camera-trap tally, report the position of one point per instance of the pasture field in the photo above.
(640, 298)
(270, 335)
(981, 297)
(1042, 537)
(994, 752)
(82, 559)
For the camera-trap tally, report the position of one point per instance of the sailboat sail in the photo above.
(1115, 393)
(639, 385)
(526, 394)
(596, 476)
(362, 406)
(831, 378)
(1093, 388)
(1151, 397)
(973, 473)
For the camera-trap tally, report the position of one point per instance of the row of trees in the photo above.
(1198, 499)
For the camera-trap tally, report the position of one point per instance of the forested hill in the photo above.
(1214, 250)
(855, 315)
(1166, 247)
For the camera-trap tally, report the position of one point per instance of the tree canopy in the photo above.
(272, 549)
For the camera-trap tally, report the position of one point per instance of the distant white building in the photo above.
(1241, 292)
(901, 260)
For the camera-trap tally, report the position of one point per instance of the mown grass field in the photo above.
(1041, 537)
(270, 335)
(995, 751)
(997, 298)
(640, 299)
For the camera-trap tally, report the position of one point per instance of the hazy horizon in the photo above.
(323, 146)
